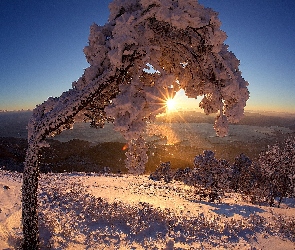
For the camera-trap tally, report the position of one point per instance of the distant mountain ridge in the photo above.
(14, 123)
(250, 119)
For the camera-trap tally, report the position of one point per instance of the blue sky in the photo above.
(261, 33)
(41, 48)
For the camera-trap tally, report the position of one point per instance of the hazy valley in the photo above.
(176, 137)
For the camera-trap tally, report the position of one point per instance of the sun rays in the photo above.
(171, 105)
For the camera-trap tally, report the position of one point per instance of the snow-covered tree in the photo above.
(145, 53)
(278, 171)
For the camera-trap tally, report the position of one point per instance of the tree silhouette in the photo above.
(145, 53)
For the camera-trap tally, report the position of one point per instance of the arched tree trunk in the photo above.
(37, 134)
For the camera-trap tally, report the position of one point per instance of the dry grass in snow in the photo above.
(90, 211)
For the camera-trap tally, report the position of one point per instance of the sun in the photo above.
(170, 104)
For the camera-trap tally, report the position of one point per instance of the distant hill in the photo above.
(14, 124)
(250, 119)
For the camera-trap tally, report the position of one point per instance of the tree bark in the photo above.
(30, 202)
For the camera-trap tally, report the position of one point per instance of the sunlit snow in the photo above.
(91, 211)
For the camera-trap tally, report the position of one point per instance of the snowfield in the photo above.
(91, 211)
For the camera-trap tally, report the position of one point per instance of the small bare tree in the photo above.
(180, 41)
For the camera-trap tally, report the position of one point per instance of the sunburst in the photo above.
(171, 104)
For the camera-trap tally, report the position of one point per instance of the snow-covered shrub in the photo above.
(163, 172)
(245, 175)
(278, 171)
(209, 176)
(212, 175)
(186, 175)
(211, 171)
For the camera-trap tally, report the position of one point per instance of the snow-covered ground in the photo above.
(90, 211)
